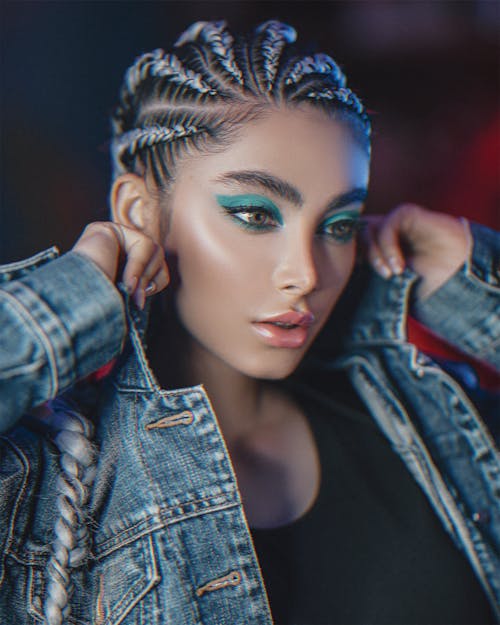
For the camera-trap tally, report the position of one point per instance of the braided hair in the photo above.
(198, 97)
(170, 105)
(71, 433)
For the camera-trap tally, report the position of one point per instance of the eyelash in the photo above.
(354, 224)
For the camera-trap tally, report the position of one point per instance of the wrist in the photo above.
(451, 250)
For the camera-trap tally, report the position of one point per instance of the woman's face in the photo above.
(264, 235)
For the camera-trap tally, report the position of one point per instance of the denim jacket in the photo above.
(170, 541)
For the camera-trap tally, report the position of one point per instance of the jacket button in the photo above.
(419, 372)
(481, 517)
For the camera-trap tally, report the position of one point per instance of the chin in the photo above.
(266, 369)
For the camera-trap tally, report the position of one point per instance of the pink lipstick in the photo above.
(285, 330)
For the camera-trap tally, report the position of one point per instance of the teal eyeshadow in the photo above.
(349, 214)
(248, 200)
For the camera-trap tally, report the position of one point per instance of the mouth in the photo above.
(289, 330)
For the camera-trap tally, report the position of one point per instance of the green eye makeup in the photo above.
(251, 211)
(258, 213)
(342, 227)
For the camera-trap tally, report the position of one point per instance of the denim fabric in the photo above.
(171, 544)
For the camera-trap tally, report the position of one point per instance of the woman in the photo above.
(360, 486)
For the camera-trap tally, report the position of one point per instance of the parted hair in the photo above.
(171, 104)
(198, 96)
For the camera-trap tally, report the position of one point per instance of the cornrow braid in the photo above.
(219, 41)
(317, 64)
(198, 97)
(139, 138)
(157, 64)
(272, 38)
(161, 65)
(346, 96)
(70, 546)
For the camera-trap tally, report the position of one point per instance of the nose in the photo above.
(296, 270)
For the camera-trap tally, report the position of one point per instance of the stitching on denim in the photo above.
(179, 561)
(10, 533)
(32, 262)
(139, 355)
(143, 455)
(42, 337)
(185, 417)
(231, 579)
(99, 608)
(126, 537)
(151, 577)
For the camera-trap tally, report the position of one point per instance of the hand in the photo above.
(435, 245)
(114, 247)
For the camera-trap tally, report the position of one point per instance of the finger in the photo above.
(139, 252)
(153, 278)
(158, 282)
(389, 245)
(371, 248)
(377, 260)
(101, 243)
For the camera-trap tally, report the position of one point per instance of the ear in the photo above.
(133, 205)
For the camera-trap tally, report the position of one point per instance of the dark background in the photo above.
(429, 72)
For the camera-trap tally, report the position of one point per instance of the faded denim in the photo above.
(171, 545)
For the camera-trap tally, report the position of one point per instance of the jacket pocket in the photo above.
(107, 592)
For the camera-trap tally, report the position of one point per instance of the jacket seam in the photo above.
(10, 534)
(42, 337)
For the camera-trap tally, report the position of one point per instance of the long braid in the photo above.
(70, 546)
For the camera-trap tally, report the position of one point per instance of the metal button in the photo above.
(481, 517)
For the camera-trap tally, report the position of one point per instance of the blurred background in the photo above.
(427, 70)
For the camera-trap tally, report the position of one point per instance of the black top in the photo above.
(370, 550)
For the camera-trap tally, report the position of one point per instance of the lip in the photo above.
(277, 336)
(293, 317)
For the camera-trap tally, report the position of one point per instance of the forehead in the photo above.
(314, 152)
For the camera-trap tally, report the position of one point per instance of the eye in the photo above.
(253, 217)
(342, 229)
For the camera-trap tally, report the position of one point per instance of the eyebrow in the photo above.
(283, 189)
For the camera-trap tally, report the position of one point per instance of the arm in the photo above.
(57, 324)
(66, 319)
(465, 310)
(458, 293)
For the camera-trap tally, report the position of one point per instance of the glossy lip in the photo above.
(296, 318)
(291, 338)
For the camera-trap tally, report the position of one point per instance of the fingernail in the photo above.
(140, 298)
(131, 285)
(150, 289)
(394, 265)
(382, 268)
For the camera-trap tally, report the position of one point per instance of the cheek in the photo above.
(335, 264)
(218, 274)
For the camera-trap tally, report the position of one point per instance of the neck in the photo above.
(239, 401)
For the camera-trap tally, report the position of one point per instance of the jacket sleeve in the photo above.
(58, 323)
(466, 310)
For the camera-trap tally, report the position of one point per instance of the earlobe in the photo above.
(133, 206)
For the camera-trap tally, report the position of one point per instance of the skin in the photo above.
(230, 275)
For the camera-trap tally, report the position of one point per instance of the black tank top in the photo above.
(370, 550)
